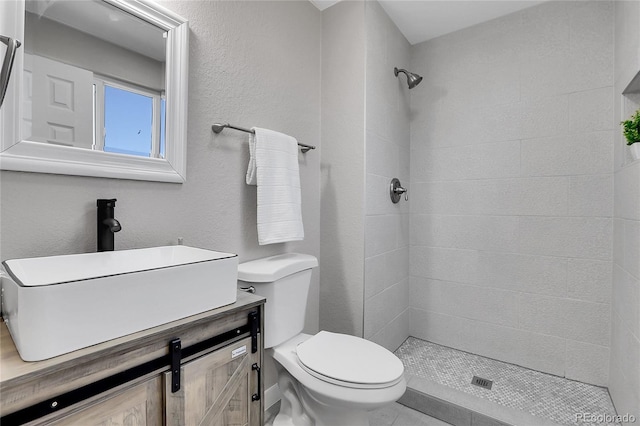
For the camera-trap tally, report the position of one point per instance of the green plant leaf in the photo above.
(631, 128)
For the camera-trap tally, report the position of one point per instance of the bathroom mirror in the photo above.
(99, 88)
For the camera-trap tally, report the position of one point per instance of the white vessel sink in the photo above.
(58, 304)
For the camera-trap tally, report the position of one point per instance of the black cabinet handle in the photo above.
(254, 323)
(256, 396)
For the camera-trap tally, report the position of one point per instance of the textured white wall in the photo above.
(343, 162)
(386, 281)
(624, 382)
(511, 174)
(252, 64)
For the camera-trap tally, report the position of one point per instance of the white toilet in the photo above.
(327, 379)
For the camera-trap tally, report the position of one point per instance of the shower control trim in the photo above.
(396, 190)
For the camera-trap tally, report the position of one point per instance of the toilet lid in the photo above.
(349, 360)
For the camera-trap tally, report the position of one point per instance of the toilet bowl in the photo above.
(327, 379)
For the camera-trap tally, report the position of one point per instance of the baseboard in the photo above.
(271, 396)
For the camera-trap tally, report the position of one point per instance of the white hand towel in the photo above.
(273, 167)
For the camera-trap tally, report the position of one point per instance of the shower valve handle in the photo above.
(396, 190)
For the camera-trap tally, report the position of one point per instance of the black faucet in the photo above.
(107, 225)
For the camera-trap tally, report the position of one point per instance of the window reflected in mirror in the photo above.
(133, 120)
(94, 78)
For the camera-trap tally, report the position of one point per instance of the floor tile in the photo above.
(539, 394)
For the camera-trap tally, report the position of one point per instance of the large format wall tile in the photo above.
(567, 236)
(444, 264)
(566, 155)
(524, 273)
(387, 154)
(496, 306)
(572, 319)
(382, 308)
(538, 351)
(589, 280)
(495, 233)
(590, 196)
(513, 190)
(587, 363)
(591, 110)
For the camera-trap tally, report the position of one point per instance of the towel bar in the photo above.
(218, 127)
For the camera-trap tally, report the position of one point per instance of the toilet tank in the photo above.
(284, 280)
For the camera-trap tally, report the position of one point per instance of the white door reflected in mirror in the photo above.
(58, 103)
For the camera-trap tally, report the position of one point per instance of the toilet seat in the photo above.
(329, 393)
(349, 361)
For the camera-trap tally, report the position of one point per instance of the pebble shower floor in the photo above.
(539, 394)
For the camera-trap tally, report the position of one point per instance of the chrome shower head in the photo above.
(412, 79)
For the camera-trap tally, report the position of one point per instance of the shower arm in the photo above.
(413, 79)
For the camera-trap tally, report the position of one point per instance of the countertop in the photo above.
(13, 370)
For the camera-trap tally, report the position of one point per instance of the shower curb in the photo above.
(462, 409)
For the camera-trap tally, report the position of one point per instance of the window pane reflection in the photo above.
(128, 122)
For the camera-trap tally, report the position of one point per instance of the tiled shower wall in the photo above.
(512, 189)
(386, 319)
(624, 381)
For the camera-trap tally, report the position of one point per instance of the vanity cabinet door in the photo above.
(140, 405)
(216, 389)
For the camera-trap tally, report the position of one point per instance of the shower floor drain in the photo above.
(483, 383)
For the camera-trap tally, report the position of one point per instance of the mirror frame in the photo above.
(29, 156)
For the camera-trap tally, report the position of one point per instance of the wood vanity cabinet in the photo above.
(217, 389)
(136, 406)
(218, 358)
